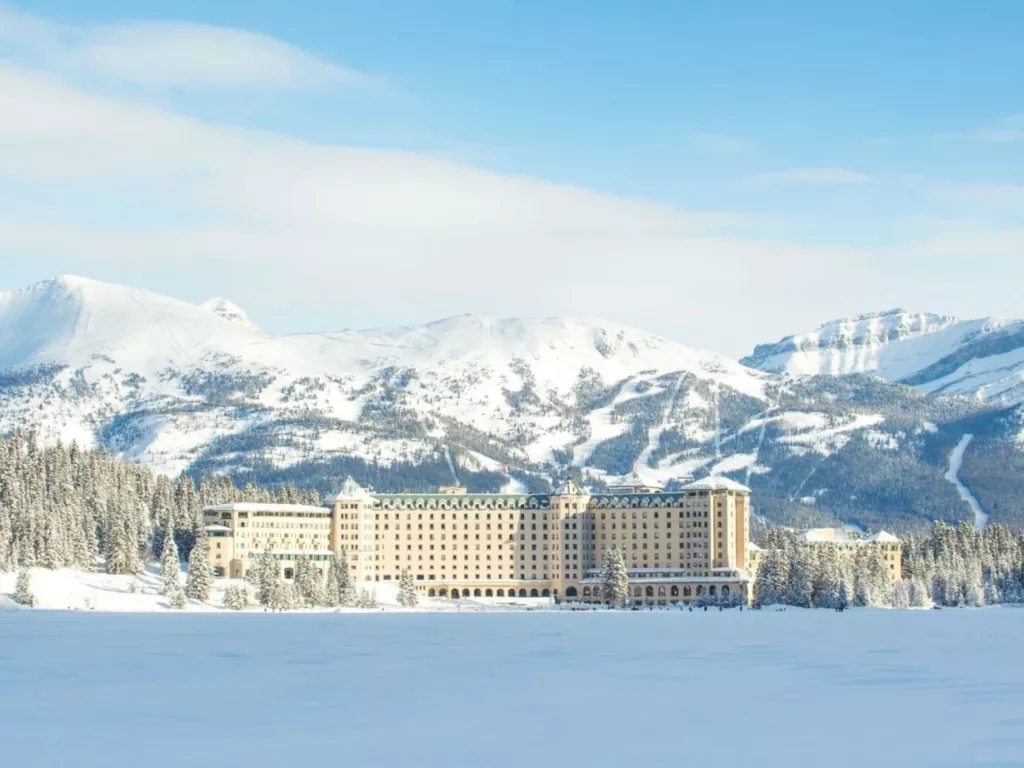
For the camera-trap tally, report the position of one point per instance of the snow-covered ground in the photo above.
(506, 690)
(956, 459)
(64, 590)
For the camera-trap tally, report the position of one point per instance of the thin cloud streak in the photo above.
(809, 176)
(174, 55)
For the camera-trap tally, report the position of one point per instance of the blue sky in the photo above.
(811, 159)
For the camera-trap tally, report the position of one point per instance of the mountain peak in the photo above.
(230, 312)
(894, 344)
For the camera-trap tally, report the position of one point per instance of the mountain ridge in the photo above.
(491, 403)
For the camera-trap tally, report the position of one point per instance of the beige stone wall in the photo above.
(467, 542)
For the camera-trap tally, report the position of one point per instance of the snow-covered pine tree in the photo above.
(283, 596)
(800, 586)
(199, 580)
(828, 579)
(844, 596)
(170, 566)
(23, 590)
(772, 576)
(340, 587)
(308, 583)
(614, 578)
(367, 599)
(236, 598)
(899, 596)
(265, 575)
(407, 597)
(176, 599)
(161, 511)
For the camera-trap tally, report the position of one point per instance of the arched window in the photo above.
(455, 594)
(700, 590)
(522, 593)
(477, 592)
(571, 592)
(533, 593)
(545, 593)
(661, 590)
(649, 591)
(289, 573)
(586, 591)
(687, 591)
(711, 590)
(465, 592)
(501, 593)
(443, 593)
(674, 591)
(489, 593)
(637, 591)
(725, 591)
(597, 591)
(432, 592)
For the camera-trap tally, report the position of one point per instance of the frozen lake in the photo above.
(794, 688)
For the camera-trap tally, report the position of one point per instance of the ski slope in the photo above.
(956, 460)
(507, 690)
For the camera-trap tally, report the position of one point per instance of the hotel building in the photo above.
(680, 547)
(848, 539)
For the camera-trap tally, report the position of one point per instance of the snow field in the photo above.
(68, 590)
(507, 690)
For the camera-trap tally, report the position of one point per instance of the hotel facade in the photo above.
(685, 546)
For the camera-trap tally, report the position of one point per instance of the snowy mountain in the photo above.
(983, 358)
(499, 404)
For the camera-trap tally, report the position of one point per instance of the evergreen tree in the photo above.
(800, 584)
(199, 580)
(307, 583)
(367, 599)
(170, 566)
(23, 590)
(340, 587)
(407, 597)
(828, 579)
(176, 598)
(844, 597)
(900, 596)
(614, 578)
(283, 596)
(236, 598)
(265, 575)
(772, 577)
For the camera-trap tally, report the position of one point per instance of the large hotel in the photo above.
(680, 547)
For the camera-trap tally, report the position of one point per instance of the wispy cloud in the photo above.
(722, 143)
(1006, 131)
(165, 54)
(993, 198)
(809, 176)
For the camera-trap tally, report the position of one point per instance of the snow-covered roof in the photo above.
(569, 488)
(716, 483)
(249, 506)
(217, 528)
(635, 481)
(752, 547)
(350, 491)
(846, 535)
(884, 537)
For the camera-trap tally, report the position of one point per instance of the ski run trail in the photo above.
(956, 458)
(654, 433)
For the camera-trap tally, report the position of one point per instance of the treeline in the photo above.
(794, 572)
(61, 506)
(952, 566)
(958, 565)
